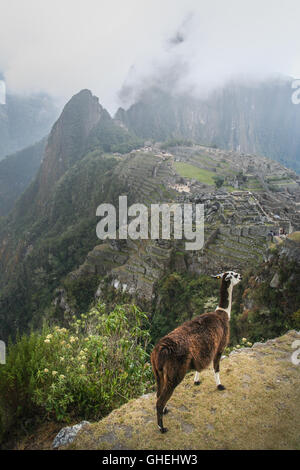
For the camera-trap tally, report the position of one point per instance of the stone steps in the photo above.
(225, 258)
(232, 253)
(248, 250)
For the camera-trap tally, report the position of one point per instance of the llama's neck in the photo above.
(226, 299)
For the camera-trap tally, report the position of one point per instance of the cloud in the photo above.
(62, 46)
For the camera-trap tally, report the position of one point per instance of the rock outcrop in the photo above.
(67, 435)
(67, 140)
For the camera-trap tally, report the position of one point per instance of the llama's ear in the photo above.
(217, 276)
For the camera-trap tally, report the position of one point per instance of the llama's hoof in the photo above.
(163, 430)
(221, 387)
(166, 410)
(197, 383)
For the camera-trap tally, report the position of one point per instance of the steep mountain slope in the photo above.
(269, 296)
(16, 172)
(256, 118)
(51, 262)
(57, 210)
(53, 267)
(236, 221)
(24, 120)
(258, 410)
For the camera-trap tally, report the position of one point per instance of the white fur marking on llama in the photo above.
(217, 378)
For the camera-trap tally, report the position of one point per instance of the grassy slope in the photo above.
(190, 171)
(258, 410)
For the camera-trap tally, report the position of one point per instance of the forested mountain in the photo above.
(257, 118)
(52, 227)
(16, 172)
(48, 241)
(91, 303)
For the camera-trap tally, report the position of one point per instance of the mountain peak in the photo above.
(67, 140)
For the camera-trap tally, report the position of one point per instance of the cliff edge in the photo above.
(258, 410)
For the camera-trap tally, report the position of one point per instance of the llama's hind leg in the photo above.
(161, 408)
(217, 371)
(170, 383)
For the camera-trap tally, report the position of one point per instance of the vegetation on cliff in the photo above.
(16, 173)
(267, 301)
(84, 371)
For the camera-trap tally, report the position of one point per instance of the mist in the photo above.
(118, 48)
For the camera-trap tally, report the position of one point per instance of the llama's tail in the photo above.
(159, 356)
(159, 359)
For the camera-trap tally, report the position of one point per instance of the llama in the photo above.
(193, 345)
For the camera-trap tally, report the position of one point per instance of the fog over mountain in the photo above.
(25, 119)
(173, 105)
(62, 47)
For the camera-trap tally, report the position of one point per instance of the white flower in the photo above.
(54, 372)
(73, 339)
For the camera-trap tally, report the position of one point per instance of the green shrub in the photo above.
(296, 319)
(219, 181)
(85, 371)
(260, 311)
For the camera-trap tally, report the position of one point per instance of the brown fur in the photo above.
(193, 345)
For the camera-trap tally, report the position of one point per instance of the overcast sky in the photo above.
(62, 46)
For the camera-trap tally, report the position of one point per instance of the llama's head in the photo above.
(229, 277)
